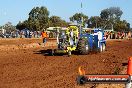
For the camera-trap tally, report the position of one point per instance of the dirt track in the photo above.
(30, 68)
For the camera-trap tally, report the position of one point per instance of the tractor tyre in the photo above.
(103, 47)
(83, 46)
(69, 53)
(81, 80)
(54, 52)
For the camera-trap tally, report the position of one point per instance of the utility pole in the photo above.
(81, 11)
(81, 23)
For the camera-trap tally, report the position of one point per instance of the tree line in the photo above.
(39, 19)
(109, 18)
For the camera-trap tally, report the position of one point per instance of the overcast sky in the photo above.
(17, 10)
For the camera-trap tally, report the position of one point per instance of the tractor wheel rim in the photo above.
(103, 47)
(87, 48)
(69, 53)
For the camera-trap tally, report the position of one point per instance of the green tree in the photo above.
(122, 26)
(9, 27)
(112, 13)
(78, 17)
(111, 16)
(94, 21)
(22, 25)
(128, 26)
(57, 21)
(130, 29)
(38, 18)
(0, 27)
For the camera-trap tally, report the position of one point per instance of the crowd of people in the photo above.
(118, 35)
(25, 33)
(29, 34)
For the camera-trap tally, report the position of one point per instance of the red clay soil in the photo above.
(31, 68)
(19, 41)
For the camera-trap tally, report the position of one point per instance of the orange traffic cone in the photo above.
(129, 69)
(81, 71)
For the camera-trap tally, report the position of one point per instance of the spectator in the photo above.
(44, 36)
(129, 35)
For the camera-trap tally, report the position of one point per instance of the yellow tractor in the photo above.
(67, 40)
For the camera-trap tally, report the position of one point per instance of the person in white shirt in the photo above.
(99, 37)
